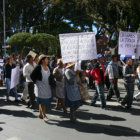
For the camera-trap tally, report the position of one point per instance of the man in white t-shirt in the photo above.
(27, 70)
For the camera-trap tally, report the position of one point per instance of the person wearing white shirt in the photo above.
(27, 70)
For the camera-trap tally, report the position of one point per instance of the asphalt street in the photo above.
(17, 122)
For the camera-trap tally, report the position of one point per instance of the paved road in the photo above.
(17, 122)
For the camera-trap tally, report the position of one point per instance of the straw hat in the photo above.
(70, 64)
(41, 57)
(59, 62)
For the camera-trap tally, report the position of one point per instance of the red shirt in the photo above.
(96, 74)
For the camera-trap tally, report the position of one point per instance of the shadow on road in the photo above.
(1, 129)
(2, 122)
(5, 103)
(16, 113)
(112, 130)
(87, 116)
(133, 111)
(83, 115)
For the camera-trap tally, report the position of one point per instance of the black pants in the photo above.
(107, 83)
(113, 90)
(31, 94)
(91, 83)
(128, 99)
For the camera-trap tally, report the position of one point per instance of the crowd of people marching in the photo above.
(43, 79)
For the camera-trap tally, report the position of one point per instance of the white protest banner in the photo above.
(14, 77)
(138, 46)
(87, 46)
(69, 46)
(78, 46)
(1, 62)
(127, 43)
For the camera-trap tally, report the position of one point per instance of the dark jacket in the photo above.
(36, 74)
(8, 70)
(127, 71)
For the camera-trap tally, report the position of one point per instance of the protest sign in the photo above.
(129, 43)
(138, 46)
(78, 46)
(14, 77)
(87, 46)
(33, 54)
(1, 62)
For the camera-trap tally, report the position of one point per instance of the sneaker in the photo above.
(8, 100)
(135, 99)
(17, 101)
(128, 107)
(92, 104)
(119, 100)
(122, 105)
(108, 99)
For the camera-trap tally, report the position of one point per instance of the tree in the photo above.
(61, 16)
(22, 43)
(18, 42)
(44, 43)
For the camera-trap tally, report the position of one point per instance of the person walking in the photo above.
(59, 75)
(40, 76)
(98, 75)
(113, 72)
(27, 70)
(129, 80)
(137, 96)
(8, 70)
(72, 93)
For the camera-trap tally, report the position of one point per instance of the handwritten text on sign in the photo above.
(78, 46)
(128, 43)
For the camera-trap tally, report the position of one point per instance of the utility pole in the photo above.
(4, 33)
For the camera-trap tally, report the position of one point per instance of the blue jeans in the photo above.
(8, 83)
(99, 92)
(128, 99)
